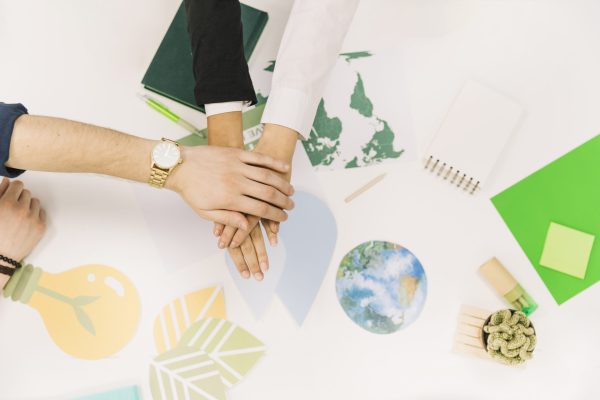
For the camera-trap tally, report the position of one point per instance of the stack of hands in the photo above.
(236, 189)
(221, 182)
(246, 244)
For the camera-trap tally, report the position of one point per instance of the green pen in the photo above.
(161, 108)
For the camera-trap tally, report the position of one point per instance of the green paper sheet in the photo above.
(126, 393)
(567, 250)
(566, 192)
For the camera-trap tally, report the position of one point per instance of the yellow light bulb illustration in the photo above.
(90, 312)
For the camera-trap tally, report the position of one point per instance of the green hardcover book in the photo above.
(170, 73)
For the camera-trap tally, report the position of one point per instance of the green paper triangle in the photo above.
(566, 192)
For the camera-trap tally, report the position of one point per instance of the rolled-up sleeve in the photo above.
(8, 115)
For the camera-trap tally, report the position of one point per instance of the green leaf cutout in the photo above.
(185, 373)
(84, 300)
(84, 320)
(233, 349)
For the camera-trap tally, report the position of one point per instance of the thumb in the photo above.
(224, 217)
(271, 234)
(274, 225)
(218, 229)
(4, 185)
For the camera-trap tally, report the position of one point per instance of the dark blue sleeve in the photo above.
(8, 115)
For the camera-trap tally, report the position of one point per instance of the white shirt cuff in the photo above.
(220, 108)
(291, 108)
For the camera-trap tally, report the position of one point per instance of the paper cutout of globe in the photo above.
(381, 286)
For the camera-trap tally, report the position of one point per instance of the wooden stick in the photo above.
(468, 339)
(365, 187)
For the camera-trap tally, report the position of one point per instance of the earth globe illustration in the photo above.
(381, 286)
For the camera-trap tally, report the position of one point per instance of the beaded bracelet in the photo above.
(7, 270)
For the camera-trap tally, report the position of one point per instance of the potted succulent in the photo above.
(509, 337)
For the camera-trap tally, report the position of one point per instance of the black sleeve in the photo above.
(8, 115)
(220, 67)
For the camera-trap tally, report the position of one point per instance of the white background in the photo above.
(83, 59)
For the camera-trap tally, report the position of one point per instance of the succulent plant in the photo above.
(509, 337)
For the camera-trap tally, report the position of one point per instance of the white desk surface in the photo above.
(84, 60)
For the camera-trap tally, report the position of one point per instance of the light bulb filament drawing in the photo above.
(77, 303)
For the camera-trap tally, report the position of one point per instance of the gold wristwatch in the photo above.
(166, 155)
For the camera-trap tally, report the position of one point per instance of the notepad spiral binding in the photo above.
(453, 175)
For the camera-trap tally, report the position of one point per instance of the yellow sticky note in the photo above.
(567, 250)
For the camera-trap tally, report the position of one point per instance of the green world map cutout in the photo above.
(348, 132)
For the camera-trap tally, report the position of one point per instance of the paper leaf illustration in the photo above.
(185, 373)
(233, 349)
(305, 270)
(84, 300)
(178, 315)
(84, 320)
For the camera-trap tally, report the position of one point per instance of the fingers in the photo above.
(218, 229)
(260, 249)
(34, 208)
(230, 218)
(268, 194)
(274, 226)
(251, 258)
(226, 236)
(233, 237)
(240, 235)
(25, 197)
(261, 209)
(240, 263)
(14, 190)
(271, 235)
(264, 161)
(43, 216)
(269, 178)
(4, 185)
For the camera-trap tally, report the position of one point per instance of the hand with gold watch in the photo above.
(219, 184)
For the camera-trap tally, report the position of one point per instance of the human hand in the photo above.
(247, 247)
(279, 142)
(250, 258)
(221, 184)
(22, 222)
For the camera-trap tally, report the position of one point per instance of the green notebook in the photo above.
(170, 73)
(564, 194)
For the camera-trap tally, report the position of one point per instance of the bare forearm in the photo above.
(278, 141)
(225, 130)
(59, 145)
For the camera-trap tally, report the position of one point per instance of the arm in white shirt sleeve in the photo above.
(307, 54)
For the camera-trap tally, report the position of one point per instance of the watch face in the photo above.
(166, 155)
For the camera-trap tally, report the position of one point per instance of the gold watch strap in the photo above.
(158, 177)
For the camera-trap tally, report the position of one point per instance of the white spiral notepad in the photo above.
(472, 136)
